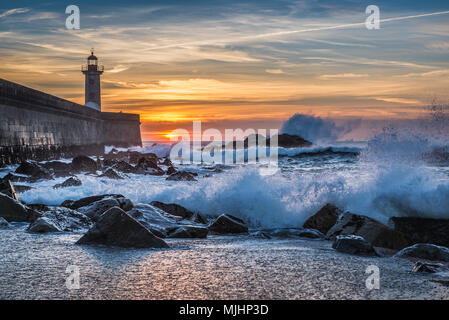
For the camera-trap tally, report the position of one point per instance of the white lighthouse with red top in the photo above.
(92, 71)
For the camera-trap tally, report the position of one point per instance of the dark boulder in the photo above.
(373, 231)
(84, 164)
(189, 232)
(58, 168)
(174, 209)
(89, 200)
(96, 209)
(227, 224)
(170, 170)
(311, 234)
(57, 219)
(145, 163)
(111, 174)
(425, 251)
(70, 182)
(182, 176)
(422, 230)
(125, 167)
(116, 228)
(324, 219)
(354, 245)
(13, 210)
(3, 223)
(8, 188)
(34, 170)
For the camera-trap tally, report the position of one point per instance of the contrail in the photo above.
(283, 33)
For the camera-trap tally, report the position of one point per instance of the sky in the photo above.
(234, 64)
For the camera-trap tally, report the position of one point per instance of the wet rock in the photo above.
(189, 232)
(111, 174)
(261, 235)
(96, 209)
(155, 172)
(173, 209)
(70, 182)
(324, 219)
(19, 178)
(57, 219)
(182, 176)
(13, 210)
(373, 231)
(58, 168)
(145, 163)
(354, 245)
(43, 225)
(21, 189)
(285, 233)
(123, 166)
(227, 224)
(167, 162)
(125, 204)
(291, 141)
(428, 267)
(160, 222)
(89, 200)
(171, 170)
(3, 223)
(425, 251)
(423, 230)
(84, 164)
(116, 228)
(67, 203)
(34, 170)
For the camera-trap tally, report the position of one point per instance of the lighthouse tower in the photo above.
(92, 71)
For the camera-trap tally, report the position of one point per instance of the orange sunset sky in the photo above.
(234, 64)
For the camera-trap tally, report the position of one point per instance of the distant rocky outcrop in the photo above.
(292, 141)
(227, 224)
(425, 251)
(354, 245)
(423, 230)
(13, 210)
(324, 219)
(117, 228)
(283, 140)
(371, 230)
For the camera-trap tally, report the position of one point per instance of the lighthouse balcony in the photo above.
(92, 67)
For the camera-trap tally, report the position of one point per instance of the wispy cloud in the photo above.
(13, 11)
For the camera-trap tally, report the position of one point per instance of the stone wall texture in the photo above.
(35, 125)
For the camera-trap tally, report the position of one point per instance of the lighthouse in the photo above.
(92, 72)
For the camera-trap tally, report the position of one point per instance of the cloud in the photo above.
(13, 11)
(274, 71)
(343, 76)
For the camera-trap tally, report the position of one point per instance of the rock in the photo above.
(58, 168)
(324, 219)
(19, 178)
(145, 163)
(43, 225)
(261, 235)
(422, 230)
(373, 231)
(189, 232)
(84, 164)
(13, 210)
(89, 200)
(311, 233)
(70, 182)
(3, 223)
(171, 170)
(21, 189)
(96, 209)
(34, 170)
(181, 176)
(155, 172)
(125, 204)
(167, 162)
(227, 224)
(123, 166)
(428, 267)
(116, 228)
(173, 209)
(67, 203)
(291, 141)
(111, 174)
(354, 245)
(425, 251)
(57, 219)
(162, 223)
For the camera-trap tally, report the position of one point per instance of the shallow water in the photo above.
(215, 268)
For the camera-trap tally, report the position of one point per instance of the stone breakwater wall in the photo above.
(38, 126)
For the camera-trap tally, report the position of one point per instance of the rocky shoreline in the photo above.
(114, 220)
